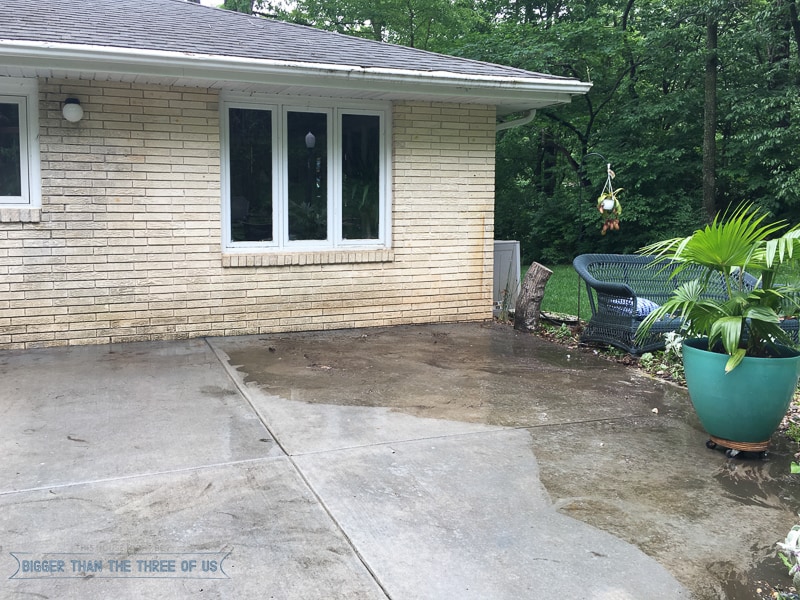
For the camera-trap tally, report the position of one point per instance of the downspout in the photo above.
(529, 115)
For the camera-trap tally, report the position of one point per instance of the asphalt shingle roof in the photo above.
(180, 26)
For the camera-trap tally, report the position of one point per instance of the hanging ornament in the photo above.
(608, 204)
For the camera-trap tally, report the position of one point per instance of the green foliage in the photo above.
(667, 363)
(562, 333)
(242, 6)
(793, 431)
(747, 321)
(264, 8)
(425, 24)
(550, 173)
(643, 115)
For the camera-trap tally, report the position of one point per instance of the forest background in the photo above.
(695, 103)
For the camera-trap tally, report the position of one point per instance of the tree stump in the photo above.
(529, 301)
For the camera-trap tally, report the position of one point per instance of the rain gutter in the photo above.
(523, 120)
(57, 56)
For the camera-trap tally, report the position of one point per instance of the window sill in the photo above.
(326, 257)
(20, 215)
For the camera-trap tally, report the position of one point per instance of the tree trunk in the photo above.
(545, 169)
(529, 301)
(710, 119)
(794, 21)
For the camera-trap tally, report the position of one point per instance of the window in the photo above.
(304, 178)
(19, 155)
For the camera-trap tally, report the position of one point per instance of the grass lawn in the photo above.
(561, 292)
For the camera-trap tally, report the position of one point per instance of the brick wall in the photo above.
(128, 242)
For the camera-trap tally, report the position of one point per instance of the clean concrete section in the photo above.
(100, 412)
(253, 530)
(466, 517)
(451, 461)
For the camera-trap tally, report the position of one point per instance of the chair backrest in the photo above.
(652, 278)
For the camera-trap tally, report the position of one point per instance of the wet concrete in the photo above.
(604, 457)
(448, 461)
(491, 375)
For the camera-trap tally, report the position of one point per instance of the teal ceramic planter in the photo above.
(745, 405)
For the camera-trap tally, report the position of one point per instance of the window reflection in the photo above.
(251, 175)
(361, 159)
(307, 147)
(10, 157)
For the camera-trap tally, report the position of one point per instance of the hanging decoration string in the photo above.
(608, 204)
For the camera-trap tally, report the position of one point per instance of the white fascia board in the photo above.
(103, 59)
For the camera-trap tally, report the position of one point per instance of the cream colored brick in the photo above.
(128, 243)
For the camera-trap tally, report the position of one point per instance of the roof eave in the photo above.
(502, 91)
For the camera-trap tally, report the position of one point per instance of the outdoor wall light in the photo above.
(72, 110)
(311, 141)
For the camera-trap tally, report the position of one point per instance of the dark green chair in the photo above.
(624, 288)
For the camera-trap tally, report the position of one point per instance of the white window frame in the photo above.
(24, 93)
(280, 107)
(384, 182)
(277, 229)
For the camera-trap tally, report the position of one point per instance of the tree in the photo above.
(642, 116)
(757, 95)
(263, 8)
(627, 118)
(710, 118)
(425, 24)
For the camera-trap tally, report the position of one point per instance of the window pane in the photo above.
(307, 147)
(361, 159)
(250, 174)
(10, 159)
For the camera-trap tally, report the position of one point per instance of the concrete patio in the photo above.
(431, 462)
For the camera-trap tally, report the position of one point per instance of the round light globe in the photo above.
(72, 111)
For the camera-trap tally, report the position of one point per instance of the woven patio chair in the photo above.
(623, 289)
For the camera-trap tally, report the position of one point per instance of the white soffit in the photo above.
(57, 60)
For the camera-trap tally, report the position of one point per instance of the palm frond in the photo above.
(728, 330)
(746, 321)
(735, 359)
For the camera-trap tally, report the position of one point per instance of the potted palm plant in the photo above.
(741, 370)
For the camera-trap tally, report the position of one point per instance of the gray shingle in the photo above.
(179, 26)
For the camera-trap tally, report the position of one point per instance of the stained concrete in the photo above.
(449, 461)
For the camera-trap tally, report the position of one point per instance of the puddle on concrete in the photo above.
(490, 375)
(758, 583)
(769, 485)
(766, 484)
(712, 521)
